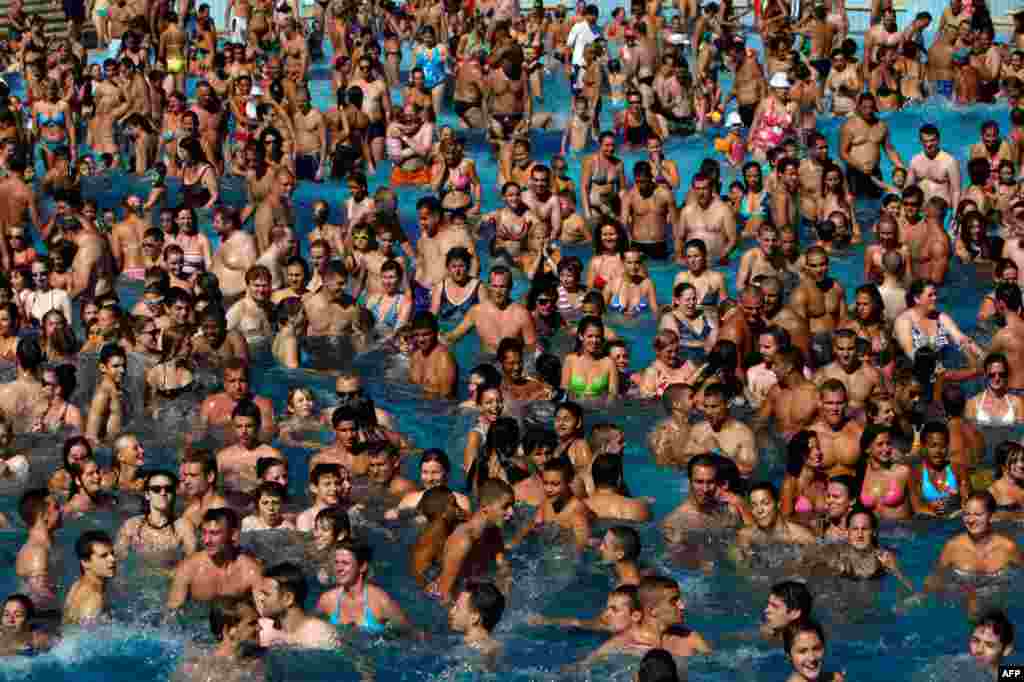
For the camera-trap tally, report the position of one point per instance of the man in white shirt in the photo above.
(583, 33)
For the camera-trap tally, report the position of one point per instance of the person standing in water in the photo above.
(87, 599)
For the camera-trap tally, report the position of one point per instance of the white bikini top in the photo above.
(984, 417)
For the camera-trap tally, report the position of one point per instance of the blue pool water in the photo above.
(869, 640)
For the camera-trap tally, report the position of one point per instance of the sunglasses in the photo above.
(545, 301)
(161, 489)
(997, 375)
(349, 395)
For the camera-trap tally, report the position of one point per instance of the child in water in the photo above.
(732, 146)
(580, 127)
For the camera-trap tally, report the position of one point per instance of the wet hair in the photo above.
(248, 409)
(847, 481)
(488, 601)
(702, 460)
(986, 497)
(225, 515)
(797, 450)
(32, 504)
(795, 596)
(30, 355)
(765, 486)
(265, 464)
(434, 502)
(87, 542)
(997, 621)
(361, 551)
(607, 471)
(323, 469)
(798, 628)
(203, 457)
(271, 489)
(657, 665)
(436, 455)
(492, 490)
(26, 603)
(291, 579)
(338, 516)
(628, 540)
(226, 613)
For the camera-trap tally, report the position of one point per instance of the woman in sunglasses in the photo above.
(43, 298)
(994, 406)
(156, 533)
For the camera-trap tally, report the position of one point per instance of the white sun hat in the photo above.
(779, 80)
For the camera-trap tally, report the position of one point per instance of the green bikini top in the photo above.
(597, 387)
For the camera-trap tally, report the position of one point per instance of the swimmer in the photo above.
(383, 471)
(979, 550)
(269, 498)
(235, 625)
(804, 644)
(607, 501)
(861, 558)
(157, 531)
(17, 636)
(220, 569)
(329, 485)
(331, 526)
(279, 596)
(559, 506)
(301, 419)
(237, 463)
(721, 433)
(475, 614)
(619, 547)
(769, 527)
(41, 514)
(106, 412)
(432, 366)
(217, 410)
(198, 471)
(435, 468)
(477, 543)
(706, 505)
(788, 602)
(439, 508)
(667, 442)
(343, 452)
(497, 317)
(658, 625)
(251, 316)
(839, 500)
(357, 601)
(87, 493)
(86, 600)
(991, 641)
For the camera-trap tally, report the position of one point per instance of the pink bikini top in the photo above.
(893, 497)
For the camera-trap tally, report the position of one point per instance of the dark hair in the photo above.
(607, 471)
(324, 469)
(795, 596)
(797, 628)
(995, 619)
(657, 665)
(629, 541)
(225, 515)
(226, 612)
(797, 450)
(87, 541)
(703, 460)
(32, 504)
(291, 579)
(488, 601)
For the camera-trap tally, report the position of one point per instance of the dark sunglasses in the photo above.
(169, 489)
